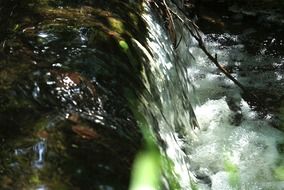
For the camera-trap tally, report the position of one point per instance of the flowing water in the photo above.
(69, 69)
(237, 145)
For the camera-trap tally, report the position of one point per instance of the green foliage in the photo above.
(151, 165)
(146, 171)
(35, 179)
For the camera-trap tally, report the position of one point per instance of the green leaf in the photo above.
(146, 171)
(123, 45)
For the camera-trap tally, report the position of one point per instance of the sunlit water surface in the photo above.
(237, 146)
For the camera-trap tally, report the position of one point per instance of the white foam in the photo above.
(224, 156)
(249, 148)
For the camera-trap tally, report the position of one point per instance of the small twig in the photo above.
(171, 24)
(176, 45)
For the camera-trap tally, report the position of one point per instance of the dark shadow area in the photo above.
(64, 112)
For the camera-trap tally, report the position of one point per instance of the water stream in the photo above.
(68, 70)
(237, 145)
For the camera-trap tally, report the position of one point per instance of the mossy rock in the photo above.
(68, 57)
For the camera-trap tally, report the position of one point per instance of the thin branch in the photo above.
(171, 25)
(190, 26)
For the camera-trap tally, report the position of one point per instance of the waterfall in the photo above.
(167, 101)
(233, 148)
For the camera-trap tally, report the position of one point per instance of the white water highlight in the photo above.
(167, 104)
(234, 148)
(250, 145)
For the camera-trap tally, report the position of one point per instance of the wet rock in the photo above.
(85, 132)
(64, 116)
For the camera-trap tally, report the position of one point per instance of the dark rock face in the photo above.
(65, 122)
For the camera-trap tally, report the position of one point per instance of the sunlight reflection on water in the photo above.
(40, 150)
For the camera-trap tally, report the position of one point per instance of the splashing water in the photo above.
(166, 104)
(234, 148)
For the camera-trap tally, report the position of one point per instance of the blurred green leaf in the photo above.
(146, 171)
(123, 45)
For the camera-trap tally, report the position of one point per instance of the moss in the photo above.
(134, 19)
(35, 179)
(15, 104)
(27, 118)
(170, 174)
(116, 24)
(41, 123)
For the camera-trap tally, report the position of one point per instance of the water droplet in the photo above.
(36, 91)
(42, 34)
